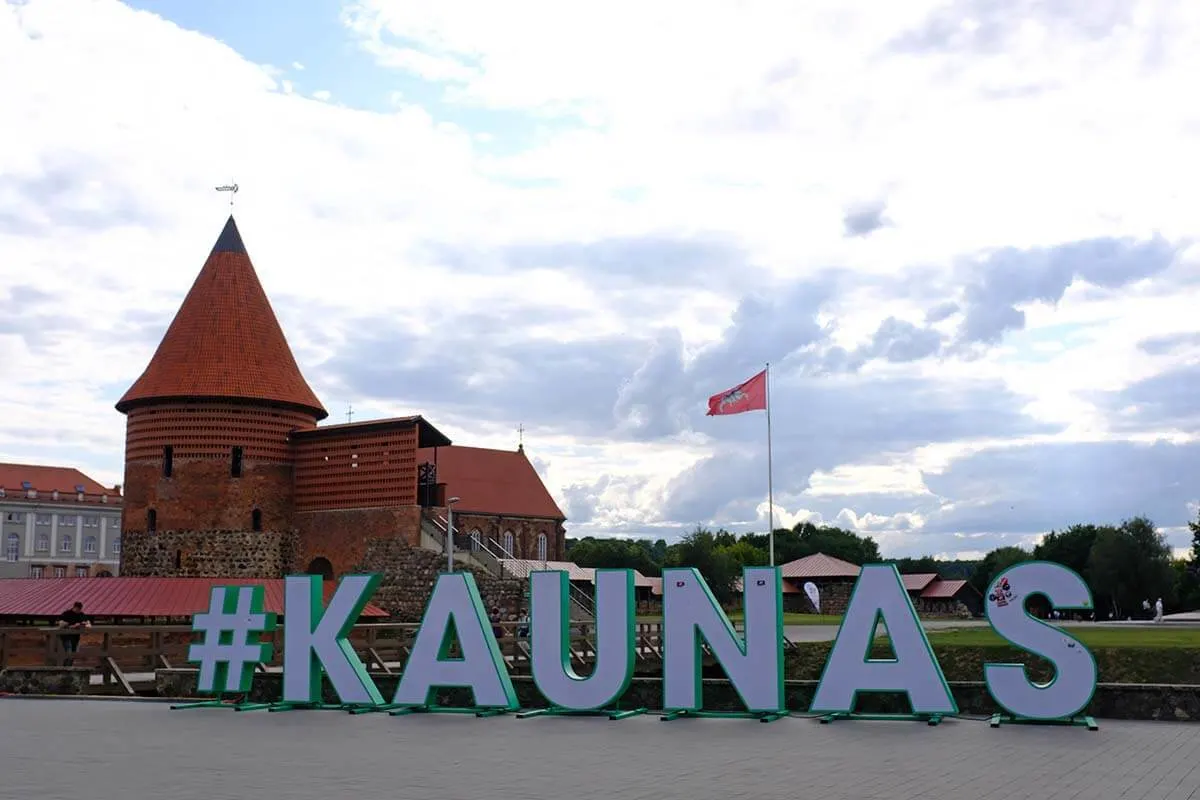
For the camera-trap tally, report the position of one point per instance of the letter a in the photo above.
(879, 593)
(552, 672)
(456, 601)
(315, 640)
(755, 667)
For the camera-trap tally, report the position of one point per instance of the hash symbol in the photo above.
(227, 655)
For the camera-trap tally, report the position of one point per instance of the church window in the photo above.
(541, 547)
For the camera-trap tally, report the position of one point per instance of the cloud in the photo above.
(865, 220)
(976, 315)
(1009, 278)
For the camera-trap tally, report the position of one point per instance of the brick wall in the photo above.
(524, 530)
(201, 494)
(209, 554)
(410, 572)
(342, 536)
(353, 468)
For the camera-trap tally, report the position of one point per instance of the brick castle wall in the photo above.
(201, 491)
(210, 554)
(348, 469)
(409, 574)
(342, 537)
(201, 494)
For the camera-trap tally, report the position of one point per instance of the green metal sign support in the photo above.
(761, 716)
(1074, 722)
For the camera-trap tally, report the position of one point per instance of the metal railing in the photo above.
(491, 555)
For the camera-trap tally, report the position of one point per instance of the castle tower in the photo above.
(207, 423)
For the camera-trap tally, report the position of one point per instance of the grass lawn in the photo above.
(788, 619)
(1093, 636)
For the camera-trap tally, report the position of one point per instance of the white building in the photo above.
(56, 522)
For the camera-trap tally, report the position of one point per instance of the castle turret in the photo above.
(207, 423)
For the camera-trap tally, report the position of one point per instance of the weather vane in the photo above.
(232, 188)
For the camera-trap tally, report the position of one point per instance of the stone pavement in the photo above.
(123, 750)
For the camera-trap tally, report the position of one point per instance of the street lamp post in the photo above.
(450, 533)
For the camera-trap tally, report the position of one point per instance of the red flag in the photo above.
(749, 396)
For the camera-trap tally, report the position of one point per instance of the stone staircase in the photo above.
(488, 555)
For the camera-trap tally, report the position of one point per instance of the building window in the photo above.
(60, 572)
(12, 547)
(168, 460)
(15, 516)
(66, 543)
(91, 522)
(256, 520)
(81, 572)
(89, 544)
(42, 544)
(37, 571)
(541, 547)
(116, 546)
(67, 520)
(235, 467)
(42, 519)
(475, 539)
(151, 520)
(509, 543)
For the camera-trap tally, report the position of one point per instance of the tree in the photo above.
(994, 563)
(924, 565)
(715, 563)
(1072, 548)
(806, 539)
(615, 554)
(1128, 565)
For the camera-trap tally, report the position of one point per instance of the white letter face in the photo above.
(879, 593)
(755, 667)
(552, 671)
(1074, 680)
(455, 600)
(315, 640)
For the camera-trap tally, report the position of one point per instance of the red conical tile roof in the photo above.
(225, 342)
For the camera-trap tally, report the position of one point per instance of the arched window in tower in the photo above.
(151, 520)
(256, 520)
(509, 543)
(235, 466)
(476, 539)
(541, 547)
(168, 460)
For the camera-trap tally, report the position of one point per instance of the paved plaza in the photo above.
(102, 750)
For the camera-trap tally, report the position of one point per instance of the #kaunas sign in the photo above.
(316, 644)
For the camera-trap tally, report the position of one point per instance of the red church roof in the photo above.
(501, 482)
(132, 597)
(65, 480)
(225, 341)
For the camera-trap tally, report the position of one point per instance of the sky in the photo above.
(962, 233)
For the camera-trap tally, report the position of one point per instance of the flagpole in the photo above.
(770, 476)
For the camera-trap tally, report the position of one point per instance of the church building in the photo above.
(229, 474)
